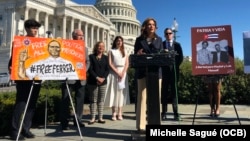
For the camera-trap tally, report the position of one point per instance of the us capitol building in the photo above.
(100, 22)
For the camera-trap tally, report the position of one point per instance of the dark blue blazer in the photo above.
(155, 47)
(169, 71)
(98, 68)
(176, 47)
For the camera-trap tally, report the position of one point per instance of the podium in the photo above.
(152, 63)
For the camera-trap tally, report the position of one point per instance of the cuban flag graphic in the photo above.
(211, 36)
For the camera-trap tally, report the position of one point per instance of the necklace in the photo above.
(149, 40)
(98, 58)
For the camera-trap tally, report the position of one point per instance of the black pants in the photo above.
(79, 91)
(23, 89)
(169, 88)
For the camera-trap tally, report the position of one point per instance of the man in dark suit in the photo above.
(219, 56)
(170, 75)
(78, 86)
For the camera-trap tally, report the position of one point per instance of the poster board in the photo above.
(205, 59)
(246, 49)
(48, 59)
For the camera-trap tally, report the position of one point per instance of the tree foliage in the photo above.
(234, 87)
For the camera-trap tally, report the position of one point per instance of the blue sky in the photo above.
(195, 13)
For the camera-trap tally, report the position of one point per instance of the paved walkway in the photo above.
(121, 130)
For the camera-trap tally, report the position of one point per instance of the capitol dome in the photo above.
(120, 1)
(122, 14)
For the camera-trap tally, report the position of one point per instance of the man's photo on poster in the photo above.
(212, 52)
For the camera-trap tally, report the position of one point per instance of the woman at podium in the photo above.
(147, 43)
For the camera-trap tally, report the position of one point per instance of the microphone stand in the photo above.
(49, 34)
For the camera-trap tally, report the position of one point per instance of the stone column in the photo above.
(26, 13)
(92, 36)
(64, 27)
(37, 15)
(26, 17)
(108, 37)
(120, 28)
(72, 26)
(97, 34)
(46, 21)
(54, 26)
(102, 35)
(86, 36)
(79, 24)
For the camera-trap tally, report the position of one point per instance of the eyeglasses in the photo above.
(80, 35)
(168, 33)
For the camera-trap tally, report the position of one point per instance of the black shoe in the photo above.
(101, 121)
(177, 117)
(164, 116)
(28, 134)
(91, 122)
(211, 115)
(80, 124)
(141, 131)
(14, 137)
(216, 115)
(65, 128)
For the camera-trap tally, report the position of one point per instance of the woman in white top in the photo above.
(118, 91)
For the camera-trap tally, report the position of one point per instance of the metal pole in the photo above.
(49, 34)
(175, 28)
(25, 110)
(174, 34)
(72, 104)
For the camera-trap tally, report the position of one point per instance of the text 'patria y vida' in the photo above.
(218, 29)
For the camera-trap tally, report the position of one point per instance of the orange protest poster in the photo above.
(212, 50)
(48, 59)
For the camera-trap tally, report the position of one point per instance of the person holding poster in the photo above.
(23, 88)
(214, 87)
(170, 75)
(204, 56)
(78, 86)
(147, 43)
(117, 93)
(97, 81)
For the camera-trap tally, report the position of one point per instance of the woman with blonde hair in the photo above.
(97, 81)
